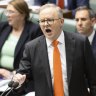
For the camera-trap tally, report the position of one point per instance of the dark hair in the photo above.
(22, 7)
(92, 14)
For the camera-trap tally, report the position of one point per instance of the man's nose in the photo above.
(79, 22)
(46, 23)
(8, 14)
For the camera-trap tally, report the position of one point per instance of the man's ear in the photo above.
(62, 21)
(93, 20)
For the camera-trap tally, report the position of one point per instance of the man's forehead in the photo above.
(50, 9)
(48, 13)
(85, 12)
(82, 13)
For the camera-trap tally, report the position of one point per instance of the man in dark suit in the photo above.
(40, 2)
(70, 4)
(76, 58)
(85, 21)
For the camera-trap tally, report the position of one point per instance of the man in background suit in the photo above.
(40, 2)
(76, 58)
(68, 4)
(85, 21)
(72, 4)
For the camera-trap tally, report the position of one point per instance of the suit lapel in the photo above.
(22, 39)
(4, 35)
(94, 39)
(70, 48)
(44, 58)
(94, 45)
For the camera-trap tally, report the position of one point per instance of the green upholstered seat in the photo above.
(69, 24)
(2, 15)
(93, 4)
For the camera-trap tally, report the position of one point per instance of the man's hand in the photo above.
(19, 78)
(5, 74)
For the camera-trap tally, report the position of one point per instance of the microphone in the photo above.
(4, 92)
(13, 85)
(9, 85)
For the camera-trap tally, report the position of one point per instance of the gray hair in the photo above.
(49, 5)
(92, 14)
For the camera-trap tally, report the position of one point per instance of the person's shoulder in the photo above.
(4, 23)
(35, 41)
(34, 28)
(76, 36)
(31, 23)
(3, 26)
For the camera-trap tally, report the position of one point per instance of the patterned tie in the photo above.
(58, 80)
(61, 3)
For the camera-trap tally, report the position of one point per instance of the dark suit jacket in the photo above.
(94, 45)
(80, 63)
(40, 2)
(30, 32)
(73, 4)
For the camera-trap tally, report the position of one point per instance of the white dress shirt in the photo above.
(91, 37)
(61, 47)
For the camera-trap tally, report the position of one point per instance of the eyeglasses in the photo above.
(49, 21)
(6, 12)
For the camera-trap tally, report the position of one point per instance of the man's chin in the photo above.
(10, 23)
(81, 31)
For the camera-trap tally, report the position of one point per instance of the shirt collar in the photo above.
(91, 37)
(60, 39)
